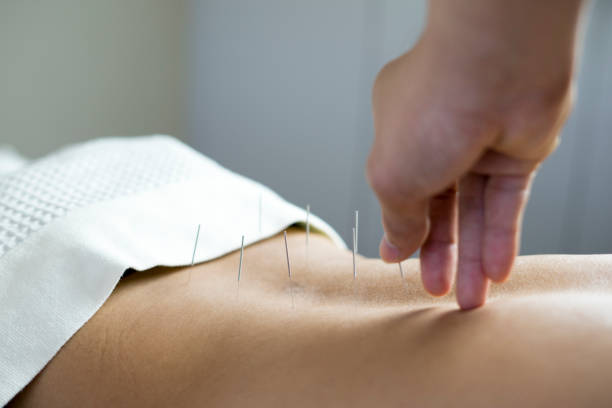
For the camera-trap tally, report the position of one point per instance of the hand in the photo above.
(473, 118)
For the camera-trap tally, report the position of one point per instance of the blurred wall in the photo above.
(584, 162)
(76, 69)
(281, 92)
(275, 89)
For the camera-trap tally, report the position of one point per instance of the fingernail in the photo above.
(391, 252)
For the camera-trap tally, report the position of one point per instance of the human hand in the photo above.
(469, 114)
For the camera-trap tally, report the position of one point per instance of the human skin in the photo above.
(474, 107)
(190, 337)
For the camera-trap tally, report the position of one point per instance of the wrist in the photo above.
(512, 46)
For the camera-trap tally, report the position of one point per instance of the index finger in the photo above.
(405, 230)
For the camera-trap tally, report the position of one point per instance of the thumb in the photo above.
(403, 204)
(405, 227)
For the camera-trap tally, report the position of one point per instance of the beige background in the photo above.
(77, 69)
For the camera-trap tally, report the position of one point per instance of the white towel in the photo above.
(73, 222)
(10, 160)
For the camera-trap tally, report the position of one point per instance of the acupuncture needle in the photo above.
(289, 269)
(307, 224)
(240, 266)
(195, 247)
(404, 281)
(307, 235)
(260, 207)
(356, 230)
(354, 252)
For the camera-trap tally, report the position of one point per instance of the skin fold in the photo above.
(192, 337)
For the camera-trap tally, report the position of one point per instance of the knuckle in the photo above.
(381, 79)
(510, 183)
(536, 120)
(394, 184)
